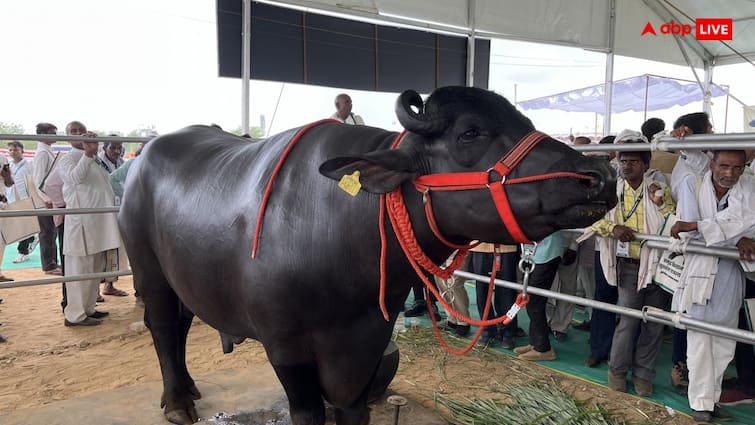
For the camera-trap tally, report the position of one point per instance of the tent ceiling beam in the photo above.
(666, 16)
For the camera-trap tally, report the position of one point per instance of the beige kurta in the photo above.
(87, 185)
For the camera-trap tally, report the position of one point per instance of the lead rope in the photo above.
(399, 218)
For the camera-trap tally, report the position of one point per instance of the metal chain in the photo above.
(527, 264)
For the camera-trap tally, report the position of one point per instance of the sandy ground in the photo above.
(44, 362)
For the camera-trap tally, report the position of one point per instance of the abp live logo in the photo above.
(705, 29)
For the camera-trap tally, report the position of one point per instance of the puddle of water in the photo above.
(278, 415)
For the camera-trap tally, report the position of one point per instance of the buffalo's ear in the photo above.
(379, 171)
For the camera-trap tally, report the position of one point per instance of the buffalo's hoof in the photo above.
(182, 417)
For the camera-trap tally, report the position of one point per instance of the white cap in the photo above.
(630, 136)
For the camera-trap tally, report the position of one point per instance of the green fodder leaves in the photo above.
(534, 404)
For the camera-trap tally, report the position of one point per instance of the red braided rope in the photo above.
(276, 170)
(405, 236)
(402, 225)
(383, 249)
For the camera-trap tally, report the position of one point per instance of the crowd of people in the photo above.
(84, 177)
(709, 192)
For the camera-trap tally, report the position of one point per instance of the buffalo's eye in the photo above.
(469, 135)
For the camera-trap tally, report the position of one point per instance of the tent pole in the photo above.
(471, 41)
(726, 113)
(609, 68)
(246, 35)
(707, 81)
(647, 87)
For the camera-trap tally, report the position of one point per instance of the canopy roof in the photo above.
(577, 23)
(641, 93)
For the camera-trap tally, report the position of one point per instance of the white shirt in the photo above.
(43, 160)
(18, 170)
(86, 184)
(689, 162)
(352, 119)
(108, 164)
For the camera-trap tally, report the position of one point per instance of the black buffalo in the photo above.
(311, 294)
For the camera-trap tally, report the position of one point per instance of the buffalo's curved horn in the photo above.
(416, 122)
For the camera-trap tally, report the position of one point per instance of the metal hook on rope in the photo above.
(527, 265)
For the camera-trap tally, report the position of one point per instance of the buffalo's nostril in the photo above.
(595, 184)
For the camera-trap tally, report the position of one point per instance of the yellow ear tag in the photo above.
(350, 183)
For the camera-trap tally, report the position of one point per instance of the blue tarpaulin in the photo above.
(641, 93)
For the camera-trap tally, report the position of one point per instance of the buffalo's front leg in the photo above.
(357, 415)
(304, 394)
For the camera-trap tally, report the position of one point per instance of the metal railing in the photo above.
(58, 211)
(648, 314)
(61, 279)
(61, 138)
(737, 141)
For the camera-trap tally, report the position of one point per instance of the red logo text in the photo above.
(705, 29)
(713, 28)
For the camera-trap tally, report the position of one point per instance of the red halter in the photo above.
(443, 182)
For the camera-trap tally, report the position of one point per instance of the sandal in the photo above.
(115, 292)
(3, 278)
(100, 298)
(56, 272)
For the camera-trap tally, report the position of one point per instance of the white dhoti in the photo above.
(707, 359)
(81, 295)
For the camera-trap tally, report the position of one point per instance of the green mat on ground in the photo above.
(573, 352)
(11, 251)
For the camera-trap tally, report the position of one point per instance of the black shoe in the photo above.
(508, 343)
(702, 417)
(460, 330)
(98, 314)
(581, 326)
(520, 333)
(417, 309)
(721, 414)
(560, 336)
(485, 340)
(593, 362)
(88, 321)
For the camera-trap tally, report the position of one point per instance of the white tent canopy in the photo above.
(611, 26)
(642, 93)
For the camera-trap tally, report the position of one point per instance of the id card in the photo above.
(622, 249)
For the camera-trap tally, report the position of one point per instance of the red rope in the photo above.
(434, 225)
(278, 166)
(402, 225)
(383, 248)
(419, 261)
(480, 329)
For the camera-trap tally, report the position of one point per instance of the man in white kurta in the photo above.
(87, 237)
(718, 209)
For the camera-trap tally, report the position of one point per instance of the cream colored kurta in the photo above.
(86, 184)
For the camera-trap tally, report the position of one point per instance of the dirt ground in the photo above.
(42, 362)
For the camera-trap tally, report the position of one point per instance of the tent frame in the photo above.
(471, 32)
